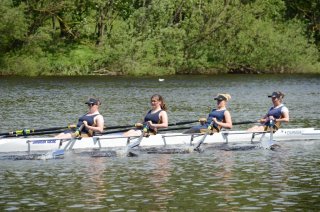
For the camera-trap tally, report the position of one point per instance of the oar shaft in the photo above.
(171, 124)
(34, 133)
(53, 130)
(169, 129)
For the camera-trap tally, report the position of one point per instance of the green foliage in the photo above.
(13, 25)
(64, 60)
(75, 60)
(307, 11)
(157, 37)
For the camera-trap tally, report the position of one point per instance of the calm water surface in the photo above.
(250, 180)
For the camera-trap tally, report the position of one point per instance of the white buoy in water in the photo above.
(161, 80)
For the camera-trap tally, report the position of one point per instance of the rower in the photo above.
(218, 118)
(88, 124)
(278, 113)
(155, 118)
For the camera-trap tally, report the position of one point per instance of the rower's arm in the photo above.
(164, 121)
(99, 122)
(228, 123)
(263, 119)
(284, 118)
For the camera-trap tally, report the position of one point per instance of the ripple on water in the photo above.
(248, 180)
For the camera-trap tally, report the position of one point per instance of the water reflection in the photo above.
(96, 188)
(283, 180)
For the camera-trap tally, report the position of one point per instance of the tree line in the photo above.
(158, 37)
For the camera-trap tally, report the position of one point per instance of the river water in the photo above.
(247, 180)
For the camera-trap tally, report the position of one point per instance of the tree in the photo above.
(13, 26)
(309, 12)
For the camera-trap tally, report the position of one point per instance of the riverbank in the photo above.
(143, 38)
(106, 72)
(29, 66)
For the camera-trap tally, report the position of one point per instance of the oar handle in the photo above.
(78, 131)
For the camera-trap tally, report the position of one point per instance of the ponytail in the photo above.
(161, 99)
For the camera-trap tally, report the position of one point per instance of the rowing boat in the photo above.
(116, 141)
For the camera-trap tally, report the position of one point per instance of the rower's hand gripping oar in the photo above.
(77, 133)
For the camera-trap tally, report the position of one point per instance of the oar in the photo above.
(197, 148)
(210, 127)
(51, 130)
(58, 153)
(171, 124)
(32, 131)
(268, 144)
(175, 124)
(129, 127)
(185, 128)
(137, 143)
(78, 131)
(43, 132)
(33, 134)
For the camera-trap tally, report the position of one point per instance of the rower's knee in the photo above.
(132, 133)
(256, 129)
(195, 129)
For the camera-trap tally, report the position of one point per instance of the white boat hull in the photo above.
(169, 139)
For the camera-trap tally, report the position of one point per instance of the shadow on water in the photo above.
(226, 179)
(132, 153)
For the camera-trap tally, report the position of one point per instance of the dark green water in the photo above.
(216, 180)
